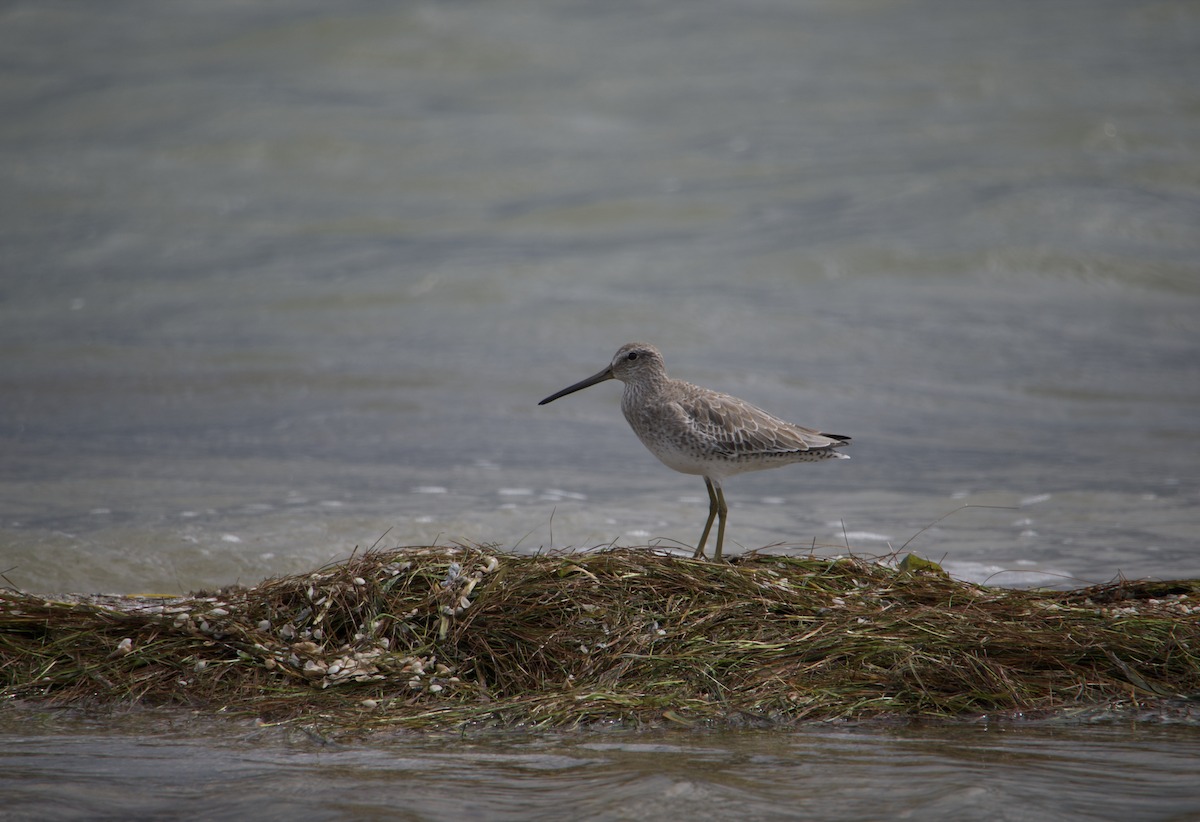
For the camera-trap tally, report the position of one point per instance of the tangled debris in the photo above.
(466, 636)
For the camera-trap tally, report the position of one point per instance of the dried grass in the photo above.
(466, 636)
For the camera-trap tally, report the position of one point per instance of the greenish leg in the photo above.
(712, 514)
(722, 510)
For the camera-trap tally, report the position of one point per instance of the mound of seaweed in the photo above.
(467, 636)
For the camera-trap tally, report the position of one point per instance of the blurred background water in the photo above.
(282, 279)
(278, 279)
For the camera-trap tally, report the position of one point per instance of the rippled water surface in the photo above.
(279, 280)
(164, 767)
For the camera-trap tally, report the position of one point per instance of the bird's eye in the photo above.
(632, 355)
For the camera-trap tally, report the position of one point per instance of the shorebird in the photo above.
(697, 431)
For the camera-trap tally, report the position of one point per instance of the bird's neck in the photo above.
(642, 394)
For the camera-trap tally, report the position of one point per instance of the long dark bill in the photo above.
(606, 374)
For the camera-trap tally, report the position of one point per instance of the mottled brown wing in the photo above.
(734, 427)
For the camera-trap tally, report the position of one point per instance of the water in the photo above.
(279, 281)
(137, 769)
